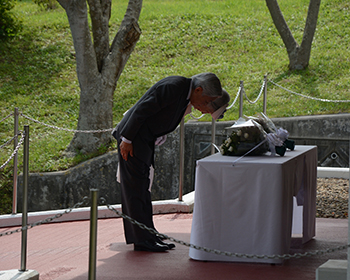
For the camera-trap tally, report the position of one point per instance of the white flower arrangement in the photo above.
(247, 137)
(243, 139)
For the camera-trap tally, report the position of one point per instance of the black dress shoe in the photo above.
(150, 246)
(170, 245)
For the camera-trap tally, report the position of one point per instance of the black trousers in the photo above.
(136, 199)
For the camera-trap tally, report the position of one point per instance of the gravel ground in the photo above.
(332, 198)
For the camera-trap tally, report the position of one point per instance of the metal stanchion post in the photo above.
(213, 132)
(241, 100)
(15, 162)
(348, 268)
(25, 199)
(265, 94)
(93, 234)
(182, 158)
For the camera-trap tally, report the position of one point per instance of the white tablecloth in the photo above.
(248, 208)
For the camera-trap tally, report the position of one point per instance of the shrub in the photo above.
(47, 4)
(10, 25)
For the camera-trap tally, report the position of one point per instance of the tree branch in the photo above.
(310, 25)
(124, 41)
(100, 12)
(85, 56)
(281, 25)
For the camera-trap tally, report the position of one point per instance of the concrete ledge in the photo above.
(174, 206)
(159, 207)
(19, 275)
(333, 172)
(332, 270)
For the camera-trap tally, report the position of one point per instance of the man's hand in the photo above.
(160, 140)
(126, 149)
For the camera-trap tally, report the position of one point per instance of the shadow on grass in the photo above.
(30, 61)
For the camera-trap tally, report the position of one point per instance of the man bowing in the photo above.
(158, 112)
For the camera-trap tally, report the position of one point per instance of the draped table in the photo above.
(247, 207)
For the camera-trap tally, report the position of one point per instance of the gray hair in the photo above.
(221, 101)
(209, 82)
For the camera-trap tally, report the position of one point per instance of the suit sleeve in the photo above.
(152, 102)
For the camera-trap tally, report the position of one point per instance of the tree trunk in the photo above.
(98, 66)
(299, 56)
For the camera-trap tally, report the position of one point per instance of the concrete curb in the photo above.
(19, 275)
(333, 172)
(79, 214)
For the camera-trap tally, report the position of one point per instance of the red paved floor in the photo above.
(59, 251)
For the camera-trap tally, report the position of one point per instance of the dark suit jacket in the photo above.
(158, 112)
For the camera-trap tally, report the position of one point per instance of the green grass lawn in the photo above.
(235, 39)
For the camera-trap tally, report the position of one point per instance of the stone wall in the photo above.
(330, 133)
(60, 190)
(63, 189)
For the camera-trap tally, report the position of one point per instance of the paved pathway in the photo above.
(59, 251)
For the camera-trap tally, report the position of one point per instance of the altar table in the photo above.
(247, 207)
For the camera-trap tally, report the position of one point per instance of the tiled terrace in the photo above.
(59, 251)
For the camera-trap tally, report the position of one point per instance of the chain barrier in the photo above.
(256, 100)
(197, 118)
(234, 101)
(6, 117)
(153, 231)
(8, 142)
(310, 97)
(66, 129)
(47, 220)
(15, 151)
(223, 253)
